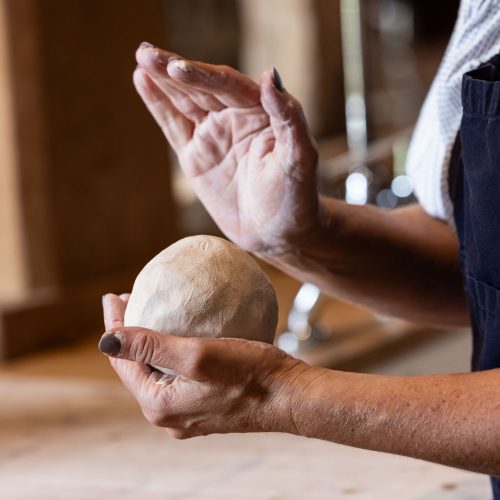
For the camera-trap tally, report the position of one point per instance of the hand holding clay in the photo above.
(223, 385)
(245, 148)
(204, 286)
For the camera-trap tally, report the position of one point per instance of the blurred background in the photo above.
(89, 191)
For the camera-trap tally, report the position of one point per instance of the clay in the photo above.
(203, 286)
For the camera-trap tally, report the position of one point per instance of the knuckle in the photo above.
(143, 347)
(224, 73)
(153, 417)
(199, 356)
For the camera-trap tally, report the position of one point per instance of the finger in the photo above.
(294, 143)
(144, 346)
(140, 380)
(155, 62)
(113, 311)
(125, 298)
(176, 127)
(230, 87)
(182, 100)
(134, 376)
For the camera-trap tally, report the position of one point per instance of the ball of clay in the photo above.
(203, 286)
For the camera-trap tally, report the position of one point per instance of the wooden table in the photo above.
(68, 430)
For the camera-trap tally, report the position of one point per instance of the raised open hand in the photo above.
(246, 150)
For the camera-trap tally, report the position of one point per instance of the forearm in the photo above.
(402, 263)
(449, 419)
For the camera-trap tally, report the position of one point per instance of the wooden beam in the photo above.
(12, 270)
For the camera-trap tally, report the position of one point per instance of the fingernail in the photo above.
(182, 65)
(146, 45)
(111, 343)
(278, 82)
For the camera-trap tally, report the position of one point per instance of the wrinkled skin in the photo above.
(247, 152)
(223, 385)
(246, 149)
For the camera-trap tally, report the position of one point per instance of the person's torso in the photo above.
(476, 38)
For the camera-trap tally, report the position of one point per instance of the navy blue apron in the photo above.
(475, 190)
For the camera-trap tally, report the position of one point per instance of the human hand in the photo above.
(223, 385)
(245, 149)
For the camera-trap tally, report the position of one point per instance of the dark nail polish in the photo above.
(111, 344)
(147, 45)
(278, 82)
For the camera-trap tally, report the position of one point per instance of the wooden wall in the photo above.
(85, 195)
(206, 30)
(302, 39)
(85, 189)
(12, 276)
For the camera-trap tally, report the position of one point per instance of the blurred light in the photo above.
(386, 199)
(354, 74)
(306, 298)
(356, 121)
(298, 324)
(289, 342)
(402, 186)
(303, 304)
(400, 153)
(356, 189)
(396, 18)
(360, 168)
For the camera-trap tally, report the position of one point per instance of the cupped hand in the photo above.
(245, 148)
(222, 385)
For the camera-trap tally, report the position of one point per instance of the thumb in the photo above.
(150, 348)
(294, 142)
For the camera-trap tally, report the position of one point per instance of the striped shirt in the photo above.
(475, 39)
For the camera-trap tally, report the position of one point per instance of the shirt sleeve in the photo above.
(475, 39)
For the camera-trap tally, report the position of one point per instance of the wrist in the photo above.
(313, 248)
(292, 402)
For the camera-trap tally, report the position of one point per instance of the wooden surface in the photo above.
(68, 430)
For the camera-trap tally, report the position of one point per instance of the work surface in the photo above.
(68, 430)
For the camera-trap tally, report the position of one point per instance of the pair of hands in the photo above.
(247, 151)
(223, 385)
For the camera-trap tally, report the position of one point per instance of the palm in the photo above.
(231, 168)
(241, 165)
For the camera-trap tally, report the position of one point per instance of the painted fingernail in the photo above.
(146, 45)
(111, 343)
(278, 82)
(182, 65)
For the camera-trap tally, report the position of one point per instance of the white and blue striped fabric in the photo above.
(476, 39)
